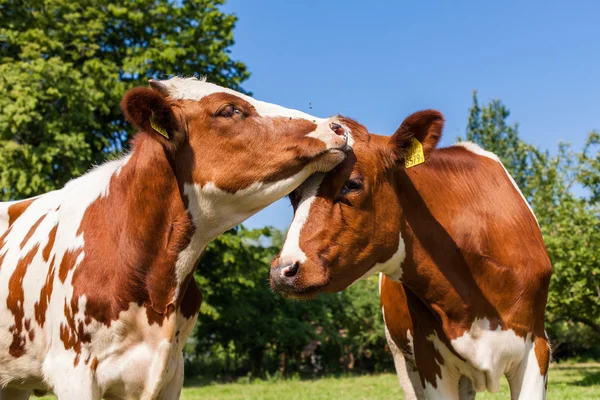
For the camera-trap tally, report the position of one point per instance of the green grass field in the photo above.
(567, 382)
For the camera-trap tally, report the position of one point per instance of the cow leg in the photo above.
(465, 389)
(408, 376)
(14, 394)
(529, 379)
(446, 387)
(173, 389)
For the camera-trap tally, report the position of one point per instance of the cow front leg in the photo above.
(440, 378)
(529, 379)
(408, 376)
(173, 389)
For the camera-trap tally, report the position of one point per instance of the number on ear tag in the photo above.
(414, 154)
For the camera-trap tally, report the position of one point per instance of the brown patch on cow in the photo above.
(41, 306)
(542, 354)
(14, 302)
(73, 333)
(17, 209)
(94, 364)
(396, 315)
(29, 329)
(2, 243)
(68, 263)
(50, 244)
(32, 231)
(133, 238)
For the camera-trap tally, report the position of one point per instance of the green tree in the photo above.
(563, 190)
(64, 66)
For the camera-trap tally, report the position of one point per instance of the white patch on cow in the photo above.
(3, 217)
(324, 134)
(350, 138)
(216, 211)
(409, 337)
(488, 355)
(475, 148)
(196, 89)
(291, 251)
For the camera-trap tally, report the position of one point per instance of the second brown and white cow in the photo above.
(465, 270)
(97, 296)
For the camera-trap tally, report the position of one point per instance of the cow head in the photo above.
(232, 154)
(347, 222)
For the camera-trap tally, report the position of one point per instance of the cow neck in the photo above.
(150, 219)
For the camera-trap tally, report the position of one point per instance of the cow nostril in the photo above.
(291, 271)
(337, 128)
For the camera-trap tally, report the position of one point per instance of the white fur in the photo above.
(474, 148)
(291, 251)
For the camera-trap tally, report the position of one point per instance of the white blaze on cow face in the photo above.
(291, 251)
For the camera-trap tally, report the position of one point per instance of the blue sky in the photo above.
(379, 61)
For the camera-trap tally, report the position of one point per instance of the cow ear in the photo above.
(416, 137)
(149, 111)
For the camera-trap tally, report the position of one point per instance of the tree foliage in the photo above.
(64, 66)
(563, 189)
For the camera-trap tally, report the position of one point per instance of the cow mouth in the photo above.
(307, 293)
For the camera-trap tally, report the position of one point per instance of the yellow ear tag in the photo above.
(158, 128)
(414, 154)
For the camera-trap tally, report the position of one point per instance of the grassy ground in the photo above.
(568, 382)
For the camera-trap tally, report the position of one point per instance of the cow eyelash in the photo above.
(228, 111)
(352, 185)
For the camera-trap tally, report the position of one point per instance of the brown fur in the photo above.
(15, 210)
(14, 302)
(32, 231)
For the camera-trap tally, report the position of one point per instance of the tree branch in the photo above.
(588, 322)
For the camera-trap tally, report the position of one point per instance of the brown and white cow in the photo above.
(97, 296)
(465, 269)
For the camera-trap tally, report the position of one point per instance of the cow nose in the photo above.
(284, 274)
(337, 129)
(289, 271)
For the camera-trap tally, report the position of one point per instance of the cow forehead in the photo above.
(196, 89)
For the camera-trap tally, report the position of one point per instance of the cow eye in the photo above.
(228, 111)
(352, 185)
